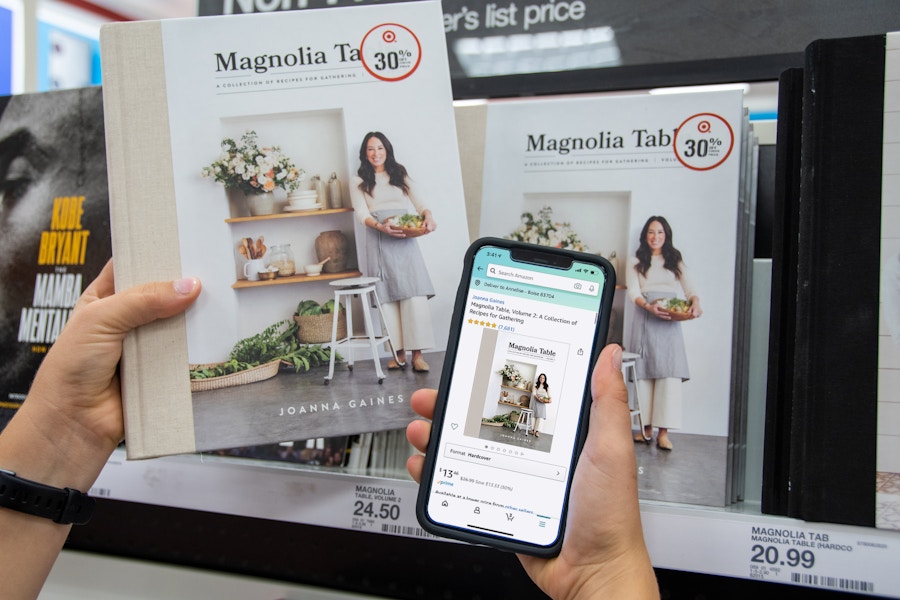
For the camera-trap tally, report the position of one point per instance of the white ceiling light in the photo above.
(538, 53)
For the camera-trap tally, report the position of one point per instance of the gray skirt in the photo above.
(397, 262)
(539, 408)
(660, 344)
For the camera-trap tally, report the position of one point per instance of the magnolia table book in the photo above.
(620, 176)
(263, 154)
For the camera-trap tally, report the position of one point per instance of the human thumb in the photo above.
(146, 303)
(609, 392)
(120, 312)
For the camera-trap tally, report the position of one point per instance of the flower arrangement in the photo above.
(245, 166)
(511, 373)
(542, 230)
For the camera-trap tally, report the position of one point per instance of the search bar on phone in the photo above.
(547, 280)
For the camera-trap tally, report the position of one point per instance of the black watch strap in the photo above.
(62, 505)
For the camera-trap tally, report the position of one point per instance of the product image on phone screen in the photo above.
(527, 338)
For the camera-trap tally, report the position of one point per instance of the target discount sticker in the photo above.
(703, 141)
(390, 52)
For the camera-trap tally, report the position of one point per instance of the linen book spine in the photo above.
(156, 398)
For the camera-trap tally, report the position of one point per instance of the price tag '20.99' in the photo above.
(703, 142)
(390, 52)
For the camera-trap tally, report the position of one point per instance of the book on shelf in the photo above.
(203, 117)
(54, 224)
(743, 291)
(887, 457)
(592, 173)
(782, 316)
(844, 460)
(318, 452)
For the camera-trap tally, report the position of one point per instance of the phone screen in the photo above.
(526, 344)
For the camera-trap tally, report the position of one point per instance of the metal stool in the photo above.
(526, 420)
(362, 288)
(629, 360)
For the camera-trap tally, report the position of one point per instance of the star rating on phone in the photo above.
(482, 323)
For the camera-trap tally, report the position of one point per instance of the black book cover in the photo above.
(54, 224)
(833, 443)
(782, 319)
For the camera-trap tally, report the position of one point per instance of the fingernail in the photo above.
(617, 358)
(185, 286)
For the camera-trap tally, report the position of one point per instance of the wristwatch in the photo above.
(62, 505)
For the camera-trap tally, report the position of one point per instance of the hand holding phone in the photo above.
(603, 554)
(499, 466)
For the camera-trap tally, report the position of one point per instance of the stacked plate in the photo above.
(303, 200)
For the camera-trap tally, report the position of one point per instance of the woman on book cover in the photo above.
(657, 273)
(383, 189)
(540, 398)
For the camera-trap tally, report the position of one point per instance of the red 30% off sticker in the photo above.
(703, 141)
(390, 52)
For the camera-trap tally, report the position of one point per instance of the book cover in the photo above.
(202, 116)
(836, 353)
(599, 174)
(54, 224)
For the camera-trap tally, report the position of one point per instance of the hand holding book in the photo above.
(76, 403)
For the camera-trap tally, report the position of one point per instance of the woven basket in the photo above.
(260, 373)
(316, 329)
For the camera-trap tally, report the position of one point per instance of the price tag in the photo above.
(815, 557)
(390, 52)
(379, 507)
(703, 141)
(777, 549)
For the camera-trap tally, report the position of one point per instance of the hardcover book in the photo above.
(54, 224)
(605, 174)
(782, 319)
(887, 460)
(259, 153)
(844, 452)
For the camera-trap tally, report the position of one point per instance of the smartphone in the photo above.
(514, 396)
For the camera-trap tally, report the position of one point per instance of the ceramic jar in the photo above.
(333, 245)
(335, 197)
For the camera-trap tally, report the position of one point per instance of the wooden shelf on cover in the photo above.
(512, 404)
(243, 283)
(290, 215)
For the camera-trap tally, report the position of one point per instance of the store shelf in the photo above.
(74, 577)
(737, 541)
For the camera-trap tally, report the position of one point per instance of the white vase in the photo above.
(260, 204)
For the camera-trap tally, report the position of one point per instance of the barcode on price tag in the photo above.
(406, 530)
(839, 583)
